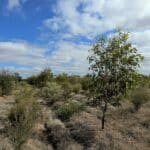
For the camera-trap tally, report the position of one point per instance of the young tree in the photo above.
(114, 64)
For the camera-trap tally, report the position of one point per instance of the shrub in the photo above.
(76, 88)
(139, 97)
(41, 79)
(67, 89)
(44, 77)
(52, 92)
(57, 135)
(67, 110)
(6, 83)
(82, 133)
(22, 118)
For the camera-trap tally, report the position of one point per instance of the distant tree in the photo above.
(17, 77)
(61, 78)
(32, 80)
(45, 76)
(113, 63)
(41, 79)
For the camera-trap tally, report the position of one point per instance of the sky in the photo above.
(36, 34)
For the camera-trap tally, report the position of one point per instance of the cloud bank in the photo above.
(71, 29)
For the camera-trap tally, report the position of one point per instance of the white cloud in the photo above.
(70, 58)
(12, 4)
(80, 18)
(22, 54)
(89, 18)
(31, 59)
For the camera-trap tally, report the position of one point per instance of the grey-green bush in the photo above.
(52, 92)
(139, 97)
(76, 88)
(22, 118)
(67, 110)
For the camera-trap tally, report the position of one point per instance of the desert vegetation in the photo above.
(107, 109)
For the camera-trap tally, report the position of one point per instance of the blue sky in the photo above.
(35, 34)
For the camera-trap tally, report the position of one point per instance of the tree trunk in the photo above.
(103, 115)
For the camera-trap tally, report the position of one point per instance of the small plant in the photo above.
(139, 97)
(67, 110)
(52, 92)
(22, 118)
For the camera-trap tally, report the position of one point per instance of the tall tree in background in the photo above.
(114, 64)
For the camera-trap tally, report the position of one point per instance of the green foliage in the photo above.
(61, 78)
(6, 82)
(139, 97)
(67, 110)
(52, 92)
(41, 80)
(114, 64)
(69, 84)
(22, 117)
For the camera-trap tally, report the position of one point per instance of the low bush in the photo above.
(76, 88)
(82, 133)
(67, 90)
(67, 110)
(52, 92)
(139, 97)
(22, 118)
(57, 135)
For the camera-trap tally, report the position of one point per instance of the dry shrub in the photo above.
(82, 133)
(57, 135)
(139, 97)
(5, 144)
(52, 92)
(76, 88)
(34, 144)
(22, 118)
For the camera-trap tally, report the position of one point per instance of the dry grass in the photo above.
(125, 129)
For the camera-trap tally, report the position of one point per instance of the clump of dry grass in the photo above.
(57, 135)
(22, 118)
(82, 133)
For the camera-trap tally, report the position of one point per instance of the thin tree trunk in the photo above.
(103, 115)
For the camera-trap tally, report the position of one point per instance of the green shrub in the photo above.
(6, 83)
(45, 76)
(52, 92)
(41, 79)
(22, 118)
(139, 97)
(67, 110)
